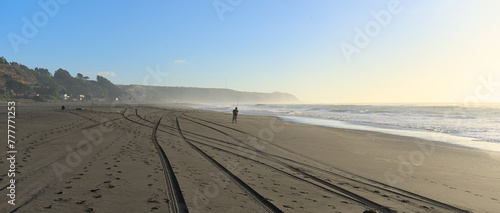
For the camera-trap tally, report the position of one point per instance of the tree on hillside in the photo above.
(42, 71)
(74, 86)
(3, 60)
(80, 76)
(61, 75)
(102, 80)
(112, 89)
(14, 64)
(44, 78)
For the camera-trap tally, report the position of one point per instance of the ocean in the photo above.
(475, 126)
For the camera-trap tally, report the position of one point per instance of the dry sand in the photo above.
(103, 161)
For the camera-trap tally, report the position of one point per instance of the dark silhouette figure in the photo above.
(63, 108)
(235, 114)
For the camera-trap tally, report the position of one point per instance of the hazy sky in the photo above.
(321, 51)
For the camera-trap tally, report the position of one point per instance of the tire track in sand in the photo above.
(173, 188)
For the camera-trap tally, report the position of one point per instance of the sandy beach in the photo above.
(123, 158)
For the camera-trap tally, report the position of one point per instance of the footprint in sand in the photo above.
(151, 200)
(311, 200)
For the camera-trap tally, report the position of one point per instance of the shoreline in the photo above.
(451, 140)
(462, 141)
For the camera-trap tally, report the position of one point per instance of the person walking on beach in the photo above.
(235, 114)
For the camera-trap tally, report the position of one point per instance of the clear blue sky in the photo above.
(428, 51)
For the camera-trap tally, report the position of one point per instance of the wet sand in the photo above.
(109, 160)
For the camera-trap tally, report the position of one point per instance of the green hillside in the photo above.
(18, 81)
